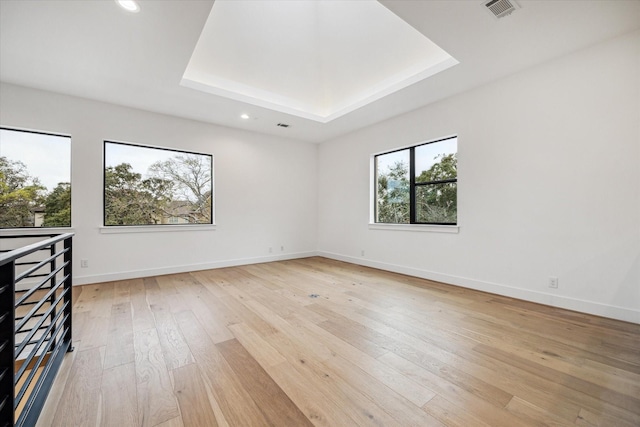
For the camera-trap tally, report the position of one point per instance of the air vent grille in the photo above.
(500, 8)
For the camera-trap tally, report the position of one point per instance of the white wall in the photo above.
(549, 185)
(265, 188)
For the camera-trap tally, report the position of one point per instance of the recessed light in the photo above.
(129, 5)
(244, 116)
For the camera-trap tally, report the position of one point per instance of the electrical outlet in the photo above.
(362, 252)
(84, 263)
(553, 282)
(281, 248)
(270, 250)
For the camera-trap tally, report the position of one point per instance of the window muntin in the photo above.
(35, 179)
(417, 185)
(156, 186)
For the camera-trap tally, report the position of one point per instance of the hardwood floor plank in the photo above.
(121, 292)
(97, 303)
(57, 389)
(81, 397)
(141, 315)
(192, 397)
(213, 315)
(156, 401)
(308, 362)
(119, 401)
(119, 349)
(378, 382)
(173, 422)
(269, 397)
(236, 404)
(451, 415)
(261, 350)
(174, 348)
(625, 401)
(534, 414)
(591, 419)
(317, 407)
(494, 415)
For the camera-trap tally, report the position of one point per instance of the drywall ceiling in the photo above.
(314, 59)
(96, 50)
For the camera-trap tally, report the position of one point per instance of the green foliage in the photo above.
(438, 203)
(393, 195)
(131, 200)
(57, 207)
(20, 194)
(435, 203)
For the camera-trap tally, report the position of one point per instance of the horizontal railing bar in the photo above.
(21, 291)
(24, 304)
(9, 250)
(35, 315)
(44, 338)
(38, 275)
(35, 341)
(26, 236)
(36, 288)
(28, 330)
(30, 262)
(40, 264)
(40, 322)
(36, 366)
(19, 253)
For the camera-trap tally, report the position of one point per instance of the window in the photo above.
(156, 186)
(417, 185)
(35, 179)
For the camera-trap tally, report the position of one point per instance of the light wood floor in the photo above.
(320, 342)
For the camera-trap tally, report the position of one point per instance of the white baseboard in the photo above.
(583, 306)
(136, 274)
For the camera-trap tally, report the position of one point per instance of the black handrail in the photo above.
(32, 345)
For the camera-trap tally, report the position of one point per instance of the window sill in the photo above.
(416, 227)
(122, 229)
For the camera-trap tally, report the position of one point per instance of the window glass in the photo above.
(35, 179)
(156, 186)
(392, 187)
(418, 185)
(434, 161)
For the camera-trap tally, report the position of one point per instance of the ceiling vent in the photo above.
(500, 8)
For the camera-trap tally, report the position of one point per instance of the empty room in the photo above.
(250, 213)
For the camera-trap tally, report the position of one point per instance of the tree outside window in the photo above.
(35, 179)
(418, 185)
(156, 186)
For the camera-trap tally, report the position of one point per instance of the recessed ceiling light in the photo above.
(129, 5)
(244, 116)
